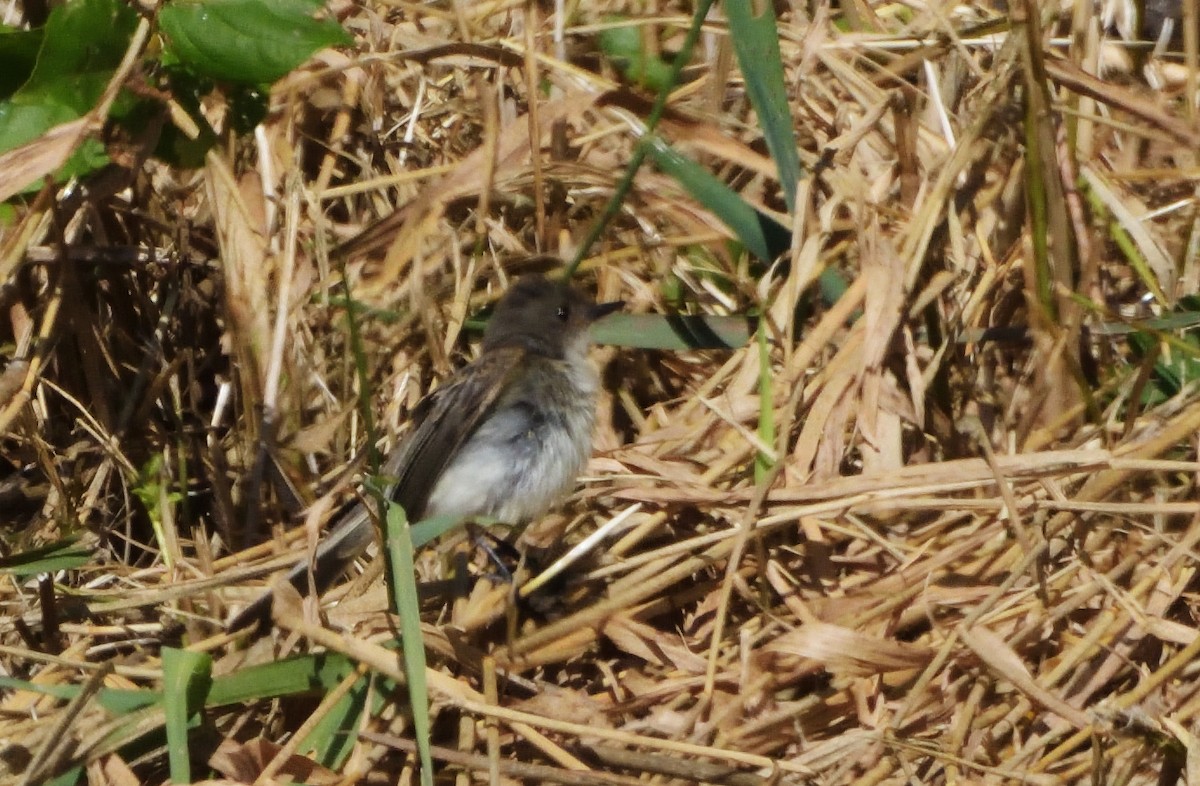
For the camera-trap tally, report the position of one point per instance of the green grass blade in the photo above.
(680, 332)
(320, 673)
(1035, 195)
(186, 680)
(766, 404)
(1090, 184)
(362, 372)
(115, 700)
(429, 530)
(1180, 320)
(64, 554)
(637, 331)
(762, 236)
(832, 285)
(68, 778)
(639, 152)
(756, 44)
(333, 738)
(408, 606)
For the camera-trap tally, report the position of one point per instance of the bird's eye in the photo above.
(562, 313)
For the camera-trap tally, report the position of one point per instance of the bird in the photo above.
(504, 438)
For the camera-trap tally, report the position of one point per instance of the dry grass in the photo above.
(974, 562)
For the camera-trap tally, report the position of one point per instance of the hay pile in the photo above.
(965, 555)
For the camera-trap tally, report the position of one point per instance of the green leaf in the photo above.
(247, 41)
(186, 684)
(18, 56)
(33, 112)
(83, 38)
(756, 44)
(763, 236)
(80, 48)
(65, 554)
(407, 603)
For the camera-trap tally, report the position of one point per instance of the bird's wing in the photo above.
(442, 422)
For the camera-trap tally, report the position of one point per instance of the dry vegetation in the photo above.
(973, 561)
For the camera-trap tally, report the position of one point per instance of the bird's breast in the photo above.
(527, 452)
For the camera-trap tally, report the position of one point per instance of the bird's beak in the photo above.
(599, 310)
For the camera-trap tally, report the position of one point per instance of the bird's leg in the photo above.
(458, 585)
(493, 547)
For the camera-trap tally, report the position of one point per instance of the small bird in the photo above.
(504, 438)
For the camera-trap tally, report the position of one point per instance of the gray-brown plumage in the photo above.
(504, 438)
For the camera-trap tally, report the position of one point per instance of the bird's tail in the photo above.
(347, 539)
